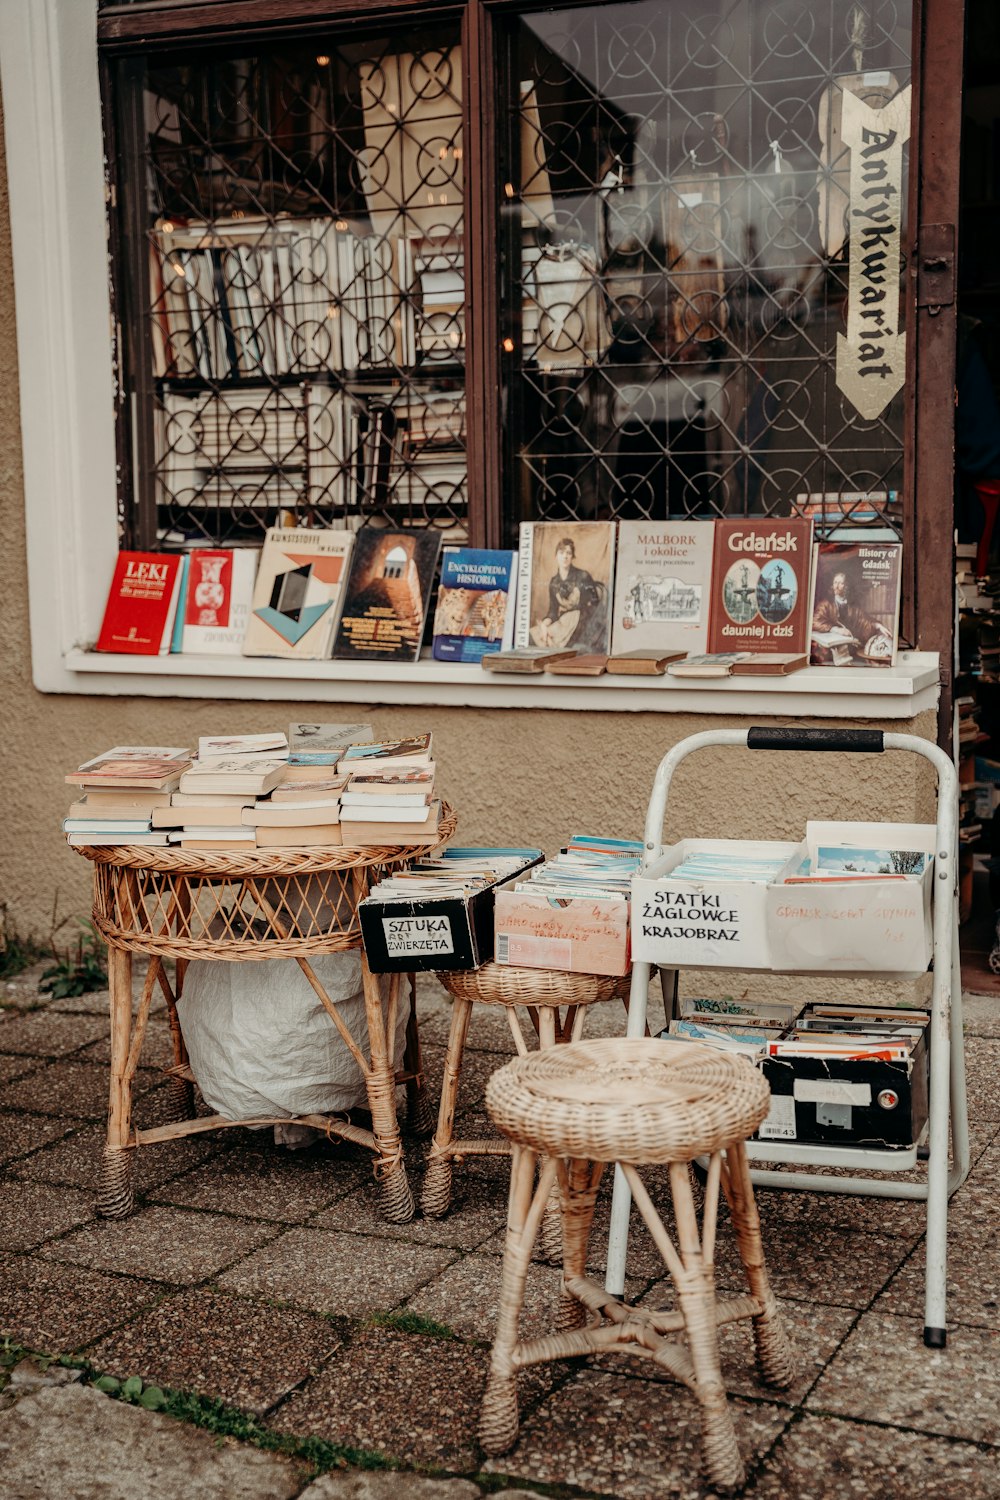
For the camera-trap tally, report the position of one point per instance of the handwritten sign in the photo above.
(871, 358)
(409, 936)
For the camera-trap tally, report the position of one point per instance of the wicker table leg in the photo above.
(435, 1200)
(180, 1091)
(419, 1108)
(390, 1168)
(115, 1194)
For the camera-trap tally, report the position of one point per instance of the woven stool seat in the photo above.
(622, 1100)
(502, 984)
(568, 1112)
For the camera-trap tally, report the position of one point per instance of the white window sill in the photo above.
(824, 692)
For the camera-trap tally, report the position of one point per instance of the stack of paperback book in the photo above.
(231, 771)
(119, 792)
(390, 796)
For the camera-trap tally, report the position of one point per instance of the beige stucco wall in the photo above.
(515, 776)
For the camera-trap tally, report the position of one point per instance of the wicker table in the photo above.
(234, 906)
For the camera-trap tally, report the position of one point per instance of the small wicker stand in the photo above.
(574, 1109)
(235, 907)
(556, 1003)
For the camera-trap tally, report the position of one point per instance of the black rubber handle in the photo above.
(865, 740)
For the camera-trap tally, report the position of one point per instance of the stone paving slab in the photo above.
(412, 1398)
(827, 1265)
(479, 1205)
(58, 1309)
(77, 1087)
(952, 1392)
(32, 1212)
(164, 1244)
(253, 1177)
(39, 1034)
(246, 1354)
(331, 1272)
(628, 1438)
(14, 1066)
(71, 1440)
(75, 1160)
(23, 1133)
(822, 1459)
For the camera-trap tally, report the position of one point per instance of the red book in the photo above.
(760, 585)
(142, 602)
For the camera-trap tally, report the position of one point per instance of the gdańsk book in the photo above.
(760, 585)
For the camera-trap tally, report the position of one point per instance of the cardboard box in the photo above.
(855, 925)
(440, 932)
(857, 1102)
(578, 934)
(703, 923)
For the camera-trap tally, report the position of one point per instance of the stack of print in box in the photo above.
(438, 912)
(118, 793)
(390, 796)
(572, 912)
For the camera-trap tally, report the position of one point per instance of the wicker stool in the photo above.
(542, 992)
(633, 1102)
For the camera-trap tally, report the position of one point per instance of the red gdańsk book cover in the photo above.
(138, 616)
(760, 585)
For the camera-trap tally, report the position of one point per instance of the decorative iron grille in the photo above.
(295, 221)
(673, 203)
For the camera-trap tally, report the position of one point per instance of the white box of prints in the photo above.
(710, 923)
(862, 926)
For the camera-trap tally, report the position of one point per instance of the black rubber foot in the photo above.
(935, 1338)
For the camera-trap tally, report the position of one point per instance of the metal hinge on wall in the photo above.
(935, 266)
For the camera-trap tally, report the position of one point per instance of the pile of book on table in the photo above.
(317, 786)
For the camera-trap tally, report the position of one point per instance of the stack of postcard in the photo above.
(711, 864)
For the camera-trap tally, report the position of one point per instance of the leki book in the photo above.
(298, 593)
(388, 594)
(662, 586)
(475, 606)
(564, 584)
(142, 604)
(855, 606)
(760, 586)
(218, 600)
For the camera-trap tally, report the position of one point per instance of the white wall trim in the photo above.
(55, 173)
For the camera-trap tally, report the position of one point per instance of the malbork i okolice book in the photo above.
(760, 585)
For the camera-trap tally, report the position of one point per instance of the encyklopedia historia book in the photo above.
(475, 607)
(760, 585)
(662, 584)
(298, 592)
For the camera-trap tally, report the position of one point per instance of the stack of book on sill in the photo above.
(390, 795)
(572, 912)
(120, 790)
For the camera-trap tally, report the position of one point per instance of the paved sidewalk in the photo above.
(261, 1292)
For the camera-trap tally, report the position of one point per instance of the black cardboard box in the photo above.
(441, 932)
(839, 1101)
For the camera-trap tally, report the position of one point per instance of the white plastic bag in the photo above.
(261, 1043)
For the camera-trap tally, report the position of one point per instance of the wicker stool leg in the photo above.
(179, 1100)
(546, 1020)
(578, 1196)
(499, 1420)
(774, 1354)
(419, 1109)
(696, 1300)
(435, 1200)
(396, 1200)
